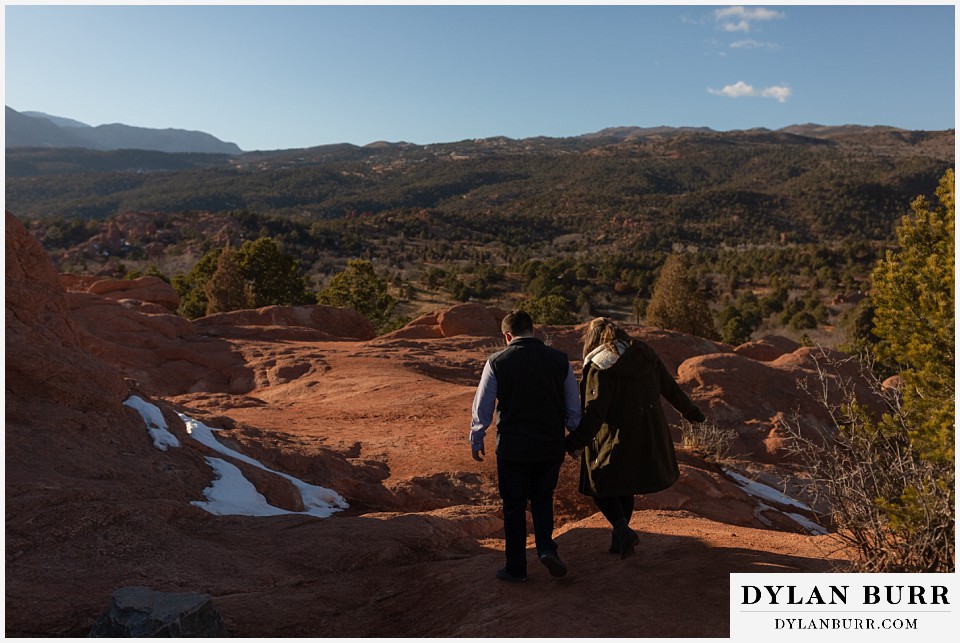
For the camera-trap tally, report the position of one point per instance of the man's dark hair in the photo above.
(517, 322)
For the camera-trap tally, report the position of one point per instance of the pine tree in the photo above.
(914, 319)
(274, 277)
(361, 288)
(191, 286)
(549, 309)
(226, 290)
(677, 304)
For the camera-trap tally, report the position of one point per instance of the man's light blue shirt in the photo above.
(485, 400)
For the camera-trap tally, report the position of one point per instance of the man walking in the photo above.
(535, 394)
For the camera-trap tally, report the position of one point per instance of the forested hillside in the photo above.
(782, 227)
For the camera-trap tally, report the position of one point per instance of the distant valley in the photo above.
(796, 216)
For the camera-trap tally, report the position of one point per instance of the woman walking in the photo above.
(626, 442)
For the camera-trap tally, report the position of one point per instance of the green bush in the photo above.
(549, 309)
(271, 278)
(361, 288)
(274, 277)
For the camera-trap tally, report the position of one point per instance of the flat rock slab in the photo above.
(142, 612)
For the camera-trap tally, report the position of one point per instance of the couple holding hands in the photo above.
(617, 428)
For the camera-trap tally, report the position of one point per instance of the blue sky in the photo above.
(272, 77)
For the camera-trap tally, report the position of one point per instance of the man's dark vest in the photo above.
(531, 413)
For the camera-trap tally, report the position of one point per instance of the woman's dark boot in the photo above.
(626, 537)
(614, 543)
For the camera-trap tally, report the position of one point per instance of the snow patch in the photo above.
(760, 490)
(318, 501)
(808, 524)
(156, 425)
(231, 494)
(766, 492)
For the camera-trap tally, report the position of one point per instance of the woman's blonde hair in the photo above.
(603, 331)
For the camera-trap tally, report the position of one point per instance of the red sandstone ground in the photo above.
(92, 506)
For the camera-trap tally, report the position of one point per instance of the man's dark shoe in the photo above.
(503, 574)
(554, 564)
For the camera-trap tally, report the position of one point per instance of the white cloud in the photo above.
(778, 92)
(736, 90)
(753, 44)
(743, 18)
(741, 89)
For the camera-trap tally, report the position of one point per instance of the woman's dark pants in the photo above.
(616, 508)
(518, 483)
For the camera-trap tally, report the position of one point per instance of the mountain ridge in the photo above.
(36, 129)
(78, 136)
(56, 120)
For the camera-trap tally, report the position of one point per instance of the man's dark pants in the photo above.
(520, 482)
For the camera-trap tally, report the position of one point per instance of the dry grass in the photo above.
(893, 510)
(708, 440)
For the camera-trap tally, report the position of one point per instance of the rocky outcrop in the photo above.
(169, 355)
(45, 360)
(158, 294)
(165, 353)
(756, 398)
(146, 289)
(767, 349)
(472, 319)
(328, 321)
(141, 612)
(423, 327)
(675, 348)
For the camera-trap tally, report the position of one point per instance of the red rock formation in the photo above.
(767, 349)
(332, 322)
(165, 353)
(470, 319)
(146, 289)
(44, 357)
(755, 397)
(92, 505)
(424, 327)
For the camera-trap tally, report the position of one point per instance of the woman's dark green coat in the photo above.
(626, 442)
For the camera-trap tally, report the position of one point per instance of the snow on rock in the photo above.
(808, 524)
(156, 425)
(765, 492)
(760, 490)
(223, 499)
(233, 495)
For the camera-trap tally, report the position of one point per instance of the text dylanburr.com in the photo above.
(848, 607)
